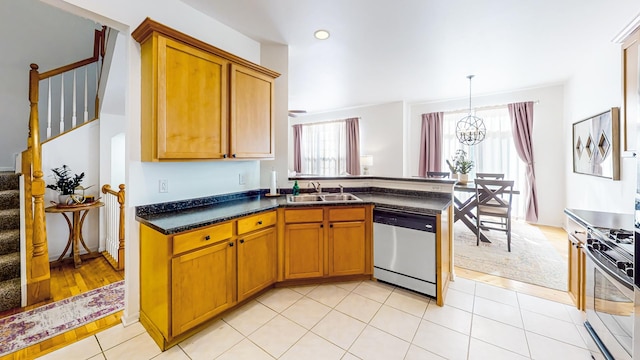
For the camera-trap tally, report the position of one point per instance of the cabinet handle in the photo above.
(321, 225)
(579, 232)
(234, 155)
(260, 222)
(224, 156)
(330, 225)
(241, 241)
(207, 238)
(231, 244)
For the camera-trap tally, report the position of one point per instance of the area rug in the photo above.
(532, 259)
(31, 327)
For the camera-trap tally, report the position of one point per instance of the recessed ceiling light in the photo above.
(321, 34)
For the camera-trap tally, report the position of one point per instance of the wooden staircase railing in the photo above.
(37, 257)
(114, 219)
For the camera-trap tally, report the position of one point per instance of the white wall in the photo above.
(79, 150)
(33, 33)
(548, 141)
(595, 89)
(381, 134)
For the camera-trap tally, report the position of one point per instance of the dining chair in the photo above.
(493, 211)
(495, 176)
(438, 174)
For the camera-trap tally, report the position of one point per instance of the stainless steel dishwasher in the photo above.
(404, 250)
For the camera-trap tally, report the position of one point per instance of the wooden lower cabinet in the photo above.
(576, 239)
(202, 284)
(346, 248)
(257, 261)
(327, 242)
(191, 277)
(303, 250)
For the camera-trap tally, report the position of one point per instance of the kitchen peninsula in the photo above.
(202, 257)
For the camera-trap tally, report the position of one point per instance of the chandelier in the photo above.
(470, 130)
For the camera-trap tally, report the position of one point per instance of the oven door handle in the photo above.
(610, 275)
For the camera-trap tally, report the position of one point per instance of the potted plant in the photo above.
(65, 184)
(462, 165)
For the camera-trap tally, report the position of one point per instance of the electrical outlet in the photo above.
(163, 185)
(241, 179)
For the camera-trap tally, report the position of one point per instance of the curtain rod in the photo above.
(488, 107)
(327, 121)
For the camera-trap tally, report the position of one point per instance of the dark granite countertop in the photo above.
(599, 219)
(175, 217)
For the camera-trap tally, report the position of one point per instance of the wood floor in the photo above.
(67, 281)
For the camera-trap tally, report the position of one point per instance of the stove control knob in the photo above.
(622, 264)
(589, 241)
(629, 271)
(595, 245)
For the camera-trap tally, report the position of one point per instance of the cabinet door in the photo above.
(252, 113)
(303, 251)
(256, 261)
(346, 248)
(191, 103)
(202, 285)
(575, 273)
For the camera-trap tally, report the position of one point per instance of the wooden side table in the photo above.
(79, 212)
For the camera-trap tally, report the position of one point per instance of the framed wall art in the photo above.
(596, 145)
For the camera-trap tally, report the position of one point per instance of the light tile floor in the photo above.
(367, 320)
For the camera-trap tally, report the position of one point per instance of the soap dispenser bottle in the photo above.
(296, 188)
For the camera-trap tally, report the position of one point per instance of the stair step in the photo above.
(10, 294)
(9, 266)
(9, 181)
(9, 241)
(9, 219)
(9, 199)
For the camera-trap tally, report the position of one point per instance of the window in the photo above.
(495, 154)
(324, 148)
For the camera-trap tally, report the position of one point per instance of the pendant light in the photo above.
(470, 130)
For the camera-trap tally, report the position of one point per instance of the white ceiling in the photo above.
(422, 50)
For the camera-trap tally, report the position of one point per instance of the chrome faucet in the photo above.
(316, 186)
(341, 189)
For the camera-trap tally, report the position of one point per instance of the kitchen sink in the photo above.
(304, 198)
(322, 198)
(341, 197)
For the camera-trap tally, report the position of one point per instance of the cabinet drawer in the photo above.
(348, 214)
(255, 222)
(573, 228)
(303, 216)
(207, 236)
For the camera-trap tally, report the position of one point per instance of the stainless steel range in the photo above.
(609, 290)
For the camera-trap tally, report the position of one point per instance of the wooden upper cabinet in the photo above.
(251, 113)
(200, 102)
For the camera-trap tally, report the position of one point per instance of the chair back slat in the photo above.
(438, 174)
(494, 193)
(495, 176)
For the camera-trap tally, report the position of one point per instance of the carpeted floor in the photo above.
(532, 258)
(30, 327)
